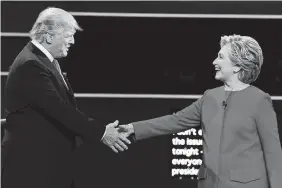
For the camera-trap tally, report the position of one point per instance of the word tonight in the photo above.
(185, 151)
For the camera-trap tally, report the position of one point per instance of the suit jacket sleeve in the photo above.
(187, 118)
(42, 95)
(268, 131)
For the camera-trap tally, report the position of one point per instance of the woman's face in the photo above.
(223, 65)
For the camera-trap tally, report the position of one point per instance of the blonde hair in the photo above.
(247, 54)
(50, 21)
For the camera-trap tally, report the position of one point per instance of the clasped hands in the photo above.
(116, 137)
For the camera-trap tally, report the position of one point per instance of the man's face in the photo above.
(60, 43)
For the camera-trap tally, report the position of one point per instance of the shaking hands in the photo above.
(116, 137)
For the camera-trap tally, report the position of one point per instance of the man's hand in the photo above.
(126, 130)
(114, 139)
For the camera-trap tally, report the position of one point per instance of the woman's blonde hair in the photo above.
(245, 53)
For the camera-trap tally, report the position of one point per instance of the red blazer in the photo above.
(240, 141)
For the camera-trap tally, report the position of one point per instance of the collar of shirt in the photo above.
(240, 89)
(40, 47)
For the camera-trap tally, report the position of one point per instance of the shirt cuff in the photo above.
(104, 134)
(132, 137)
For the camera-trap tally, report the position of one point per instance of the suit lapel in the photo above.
(53, 69)
(44, 60)
(70, 91)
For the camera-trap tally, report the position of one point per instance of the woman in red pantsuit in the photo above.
(240, 133)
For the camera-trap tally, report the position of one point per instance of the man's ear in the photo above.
(49, 38)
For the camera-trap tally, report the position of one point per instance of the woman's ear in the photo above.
(236, 69)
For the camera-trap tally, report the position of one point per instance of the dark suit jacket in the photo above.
(43, 120)
(240, 141)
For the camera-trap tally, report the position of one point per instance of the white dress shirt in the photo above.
(50, 57)
(40, 47)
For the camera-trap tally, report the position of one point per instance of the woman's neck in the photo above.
(235, 85)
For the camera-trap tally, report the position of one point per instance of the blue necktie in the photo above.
(60, 72)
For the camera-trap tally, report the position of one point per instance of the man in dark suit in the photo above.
(42, 115)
